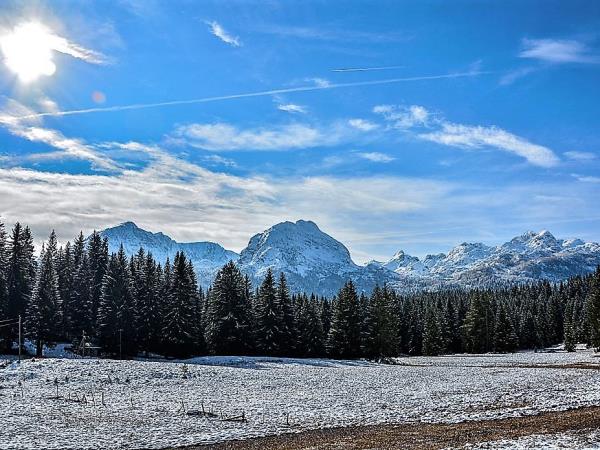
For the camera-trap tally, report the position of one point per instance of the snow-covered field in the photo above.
(145, 403)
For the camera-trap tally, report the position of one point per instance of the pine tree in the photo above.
(4, 266)
(314, 335)
(228, 310)
(478, 326)
(286, 314)
(80, 313)
(269, 318)
(505, 338)
(116, 319)
(414, 338)
(145, 284)
(178, 326)
(98, 259)
(65, 270)
(344, 340)
(433, 340)
(593, 309)
(381, 325)
(21, 271)
(197, 309)
(43, 321)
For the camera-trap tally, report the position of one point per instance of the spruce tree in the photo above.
(477, 326)
(178, 326)
(98, 259)
(65, 269)
(314, 335)
(381, 325)
(286, 314)
(21, 271)
(344, 340)
(80, 310)
(593, 309)
(269, 318)
(145, 284)
(505, 338)
(43, 321)
(4, 259)
(433, 340)
(116, 318)
(228, 313)
(197, 311)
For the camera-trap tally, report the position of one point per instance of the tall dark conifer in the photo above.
(116, 318)
(43, 319)
(344, 340)
(593, 306)
(21, 271)
(178, 325)
(227, 315)
(4, 259)
(269, 318)
(98, 265)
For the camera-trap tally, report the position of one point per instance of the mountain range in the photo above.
(315, 262)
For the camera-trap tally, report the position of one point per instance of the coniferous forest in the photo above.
(136, 306)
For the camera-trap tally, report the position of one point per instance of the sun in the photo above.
(28, 51)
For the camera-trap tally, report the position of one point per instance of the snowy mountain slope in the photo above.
(315, 262)
(529, 257)
(312, 260)
(207, 257)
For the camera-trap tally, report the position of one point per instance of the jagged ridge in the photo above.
(315, 262)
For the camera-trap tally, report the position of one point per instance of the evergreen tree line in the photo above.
(134, 305)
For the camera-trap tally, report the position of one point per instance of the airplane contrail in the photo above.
(135, 106)
(366, 69)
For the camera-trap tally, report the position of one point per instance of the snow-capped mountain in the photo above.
(207, 257)
(529, 257)
(313, 261)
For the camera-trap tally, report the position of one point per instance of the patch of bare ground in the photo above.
(575, 365)
(421, 436)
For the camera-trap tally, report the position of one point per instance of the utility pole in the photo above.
(19, 338)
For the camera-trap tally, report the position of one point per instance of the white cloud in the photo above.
(557, 51)
(580, 156)
(33, 131)
(376, 157)
(47, 104)
(217, 30)
(362, 124)
(586, 178)
(466, 136)
(332, 34)
(404, 116)
(409, 118)
(192, 203)
(220, 160)
(224, 137)
(513, 75)
(292, 108)
(319, 82)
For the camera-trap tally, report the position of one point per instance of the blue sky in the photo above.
(393, 125)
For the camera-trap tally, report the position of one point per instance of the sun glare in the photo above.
(27, 51)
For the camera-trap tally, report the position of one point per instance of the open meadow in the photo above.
(92, 403)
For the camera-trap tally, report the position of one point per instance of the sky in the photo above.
(391, 124)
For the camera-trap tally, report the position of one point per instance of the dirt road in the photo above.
(421, 436)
